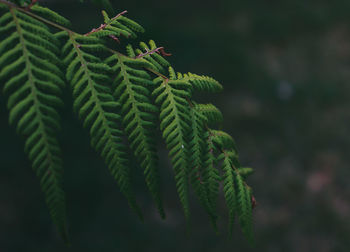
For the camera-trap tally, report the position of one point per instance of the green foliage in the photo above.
(175, 123)
(33, 85)
(131, 87)
(121, 97)
(95, 105)
(211, 113)
(229, 187)
(198, 151)
(211, 176)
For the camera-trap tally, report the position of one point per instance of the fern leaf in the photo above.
(130, 51)
(117, 26)
(97, 108)
(229, 188)
(131, 89)
(170, 96)
(151, 54)
(197, 152)
(224, 140)
(33, 99)
(118, 113)
(244, 207)
(212, 113)
(50, 15)
(211, 177)
(156, 56)
(203, 83)
(245, 171)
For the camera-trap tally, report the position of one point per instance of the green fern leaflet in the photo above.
(33, 85)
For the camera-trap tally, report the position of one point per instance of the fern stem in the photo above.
(105, 24)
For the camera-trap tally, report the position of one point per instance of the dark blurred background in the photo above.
(285, 69)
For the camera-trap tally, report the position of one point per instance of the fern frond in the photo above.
(244, 206)
(33, 100)
(151, 54)
(237, 193)
(229, 187)
(130, 51)
(96, 107)
(131, 88)
(224, 140)
(117, 26)
(156, 56)
(212, 113)
(197, 152)
(50, 15)
(245, 171)
(203, 83)
(114, 99)
(211, 176)
(175, 124)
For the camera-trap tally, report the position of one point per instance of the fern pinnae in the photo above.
(97, 108)
(50, 15)
(203, 83)
(116, 26)
(237, 193)
(211, 177)
(131, 88)
(245, 171)
(197, 152)
(155, 56)
(225, 142)
(212, 113)
(244, 206)
(229, 188)
(151, 54)
(33, 102)
(170, 95)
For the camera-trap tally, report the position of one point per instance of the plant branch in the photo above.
(159, 50)
(102, 26)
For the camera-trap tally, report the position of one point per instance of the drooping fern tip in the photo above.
(123, 97)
